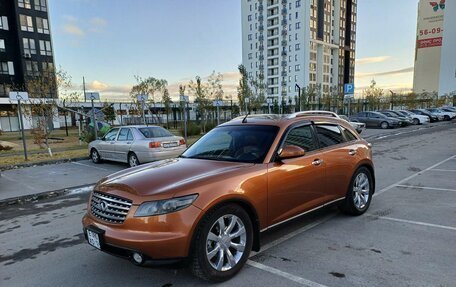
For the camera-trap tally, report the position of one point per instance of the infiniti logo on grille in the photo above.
(103, 205)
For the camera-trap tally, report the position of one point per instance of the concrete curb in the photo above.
(19, 200)
(41, 163)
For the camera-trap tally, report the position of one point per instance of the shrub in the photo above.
(192, 130)
(210, 126)
(5, 147)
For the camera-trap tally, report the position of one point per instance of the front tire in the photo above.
(416, 121)
(95, 156)
(222, 243)
(384, 125)
(359, 195)
(133, 160)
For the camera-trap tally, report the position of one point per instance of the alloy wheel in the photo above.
(361, 191)
(226, 242)
(133, 160)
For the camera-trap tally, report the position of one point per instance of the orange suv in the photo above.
(245, 176)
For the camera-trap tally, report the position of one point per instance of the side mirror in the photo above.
(290, 151)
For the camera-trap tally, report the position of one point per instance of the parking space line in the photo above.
(291, 235)
(444, 170)
(413, 222)
(297, 279)
(86, 165)
(424, 187)
(412, 176)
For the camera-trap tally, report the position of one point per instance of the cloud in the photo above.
(388, 73)
(372, 60)
(97, 24)
(70, 18)
(73, 29)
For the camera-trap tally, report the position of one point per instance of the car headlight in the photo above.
(159, 207)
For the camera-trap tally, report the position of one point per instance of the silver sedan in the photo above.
(136, 144)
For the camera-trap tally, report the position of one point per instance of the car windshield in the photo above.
(248, 144)
(155, 132)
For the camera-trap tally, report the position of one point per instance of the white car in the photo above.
(359, 127)
(447, 116)
(417, 119)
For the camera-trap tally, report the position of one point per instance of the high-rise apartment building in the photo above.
(310, 43)
(25, 45)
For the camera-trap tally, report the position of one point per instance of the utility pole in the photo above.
(392, 99)
(65, 113)
(84, 88)
(299, 97)
(22, 127)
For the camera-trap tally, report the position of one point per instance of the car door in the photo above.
(123, 144)
(340, 152)
(374, 120)
(295, 185)
(362, 117)
(107, 144)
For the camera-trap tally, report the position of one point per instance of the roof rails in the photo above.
(258, 116)
(313, 113)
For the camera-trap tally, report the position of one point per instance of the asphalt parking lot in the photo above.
(407, 238)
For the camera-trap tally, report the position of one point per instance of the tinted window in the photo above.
(234, 143)
(129, 135)
(329, 135)
(111, 135)
(123, 134)
(301, 137)
(155, 132)
(348, 134)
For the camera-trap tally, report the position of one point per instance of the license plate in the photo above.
(166, 145)
(94, 239)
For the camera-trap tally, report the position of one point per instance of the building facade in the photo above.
(447, 79)
(26, 51)
(310, 43)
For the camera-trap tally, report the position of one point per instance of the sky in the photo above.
(110, 41)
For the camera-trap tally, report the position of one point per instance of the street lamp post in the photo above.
(299, 97)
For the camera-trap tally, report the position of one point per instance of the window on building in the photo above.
(42, 25)
(296, 58)
(7, 68)
(298, 3)
(47, 67)
(297, 15)
(40, 5)
(250, 56)
(249, 37)
(24, 4)
(45, 48)
(297, 68)
(29, 47)
(298, 25)
(2, 45)
(249, 18)
(26, 23)
(3, 23)
(297, 47)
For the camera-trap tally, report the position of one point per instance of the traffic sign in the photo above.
(349, 89)
(93, 96)
(217, 103)
(142, 98)
(349, 96)
(18, 96)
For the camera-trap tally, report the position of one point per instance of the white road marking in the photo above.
(291, 235)
(424, 187)
(412, 176)
(20, 182)
(297, 279)
(414, 222)
(86, 165)
(444, 170)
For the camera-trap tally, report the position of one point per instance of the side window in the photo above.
(123, 134)
(302, 137)
(348, 134)
(329, 135)
(111, 135)
(130, 135)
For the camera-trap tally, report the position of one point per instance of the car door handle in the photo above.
(352, 152)
(317, 162)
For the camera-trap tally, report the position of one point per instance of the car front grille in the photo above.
(109, 208)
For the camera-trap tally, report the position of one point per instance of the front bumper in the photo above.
(165, 236)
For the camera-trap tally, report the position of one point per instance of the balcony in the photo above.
(284, 42)
(284, 11)
(284, 73)
(260, 7)
(284, 83)
(284, 63)
(284, 22)
(261, 38)
(284, 32)
(284, 53)
(261, 57)
(284, 2)
(261, 28)
(260, 18)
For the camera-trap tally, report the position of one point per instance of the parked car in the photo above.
(449, 109)
(403, 121)
(359, 127)
(417, 119)
(432, 117)
(136, 144)
(447, 116)
(240, 179)
(375, 119)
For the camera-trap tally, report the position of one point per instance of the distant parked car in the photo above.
(447, 116)
(432, 117)
(359, 127)
(449, 109)
(375, 119)
(136, 144)
(417, 119)
(403, 120)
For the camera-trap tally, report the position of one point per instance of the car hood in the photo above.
(164, 178)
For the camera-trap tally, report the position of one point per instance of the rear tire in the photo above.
(359, 194)
(416, 121)
(384, 125)
(222, 243)
(447, 118)
(95, 156)
(133, 160)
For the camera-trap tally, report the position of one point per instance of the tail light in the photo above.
(181, 142)
(154, 144)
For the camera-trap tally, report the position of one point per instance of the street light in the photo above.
(299, 96)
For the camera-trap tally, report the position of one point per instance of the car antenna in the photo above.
(245, 118)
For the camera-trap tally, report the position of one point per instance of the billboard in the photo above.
(429, 39)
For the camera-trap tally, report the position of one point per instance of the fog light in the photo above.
(138, 258)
